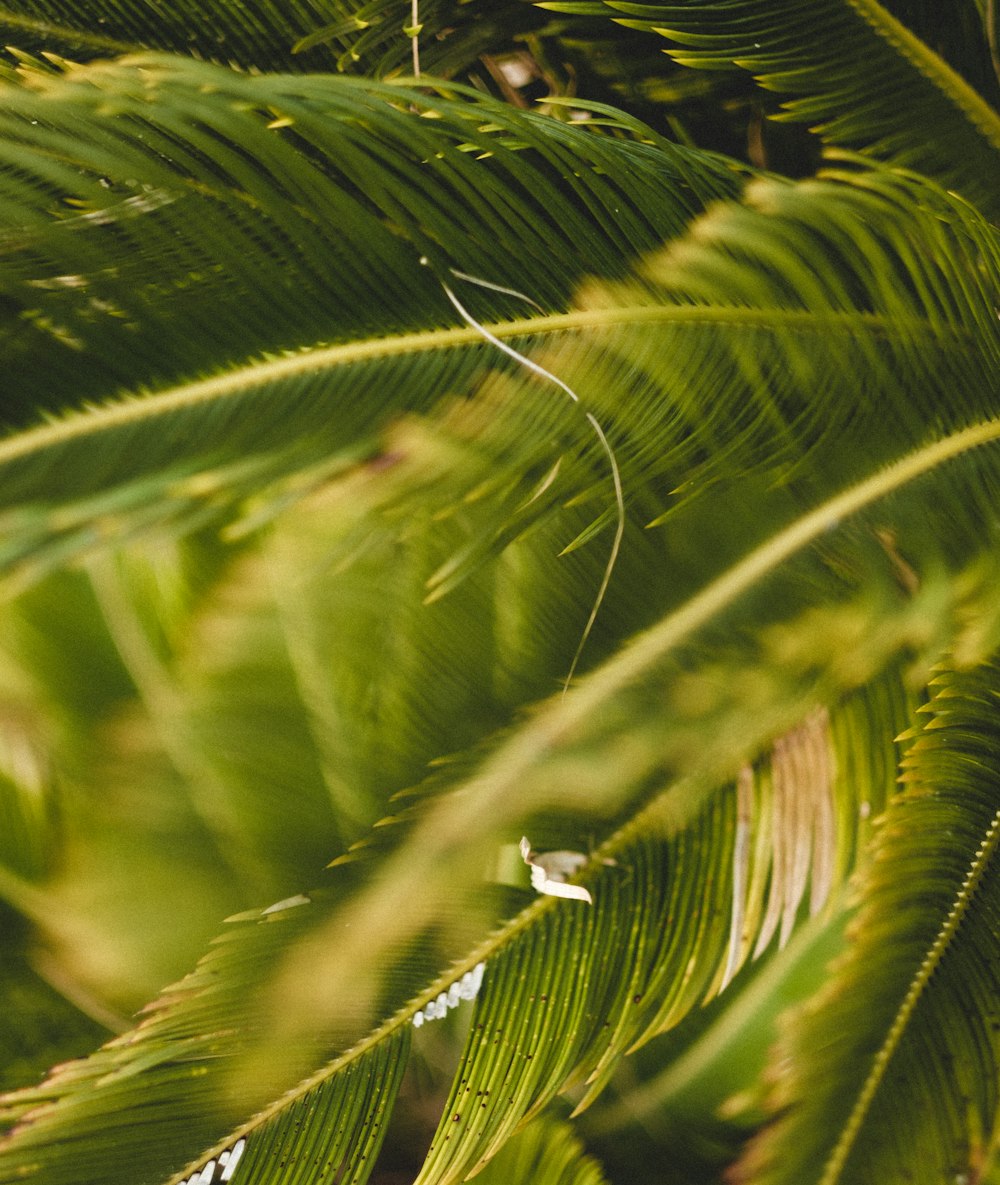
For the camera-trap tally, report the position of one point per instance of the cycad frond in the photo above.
(566, 989)
(631, 976)
(200, 223)
(799, 398)
(907, 1087)
(161, 213)
(824, 57)
(304, 416)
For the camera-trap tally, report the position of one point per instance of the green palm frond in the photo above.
(824, 58)
(961, 36)
(581, 983)
(264, 424)
(322, 393)
(907, 1087)
(528, 947)
(870, 619)
(159, 211)
(151, 311)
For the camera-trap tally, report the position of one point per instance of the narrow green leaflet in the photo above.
(853, 72)
(330, 1133)
(906, 1085)
(262, 34)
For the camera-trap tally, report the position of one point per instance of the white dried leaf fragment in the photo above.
(551, 870)
(466, 988)
(232, 1160)
(471, 982)
(217, 1171)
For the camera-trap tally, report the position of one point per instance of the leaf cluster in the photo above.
(396, 466)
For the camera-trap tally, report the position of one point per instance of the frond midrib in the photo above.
(833, 1169)
(951, 84)
(489, 792)
(500, 938)
(135, 408)
(650, 647)
(403, 1016)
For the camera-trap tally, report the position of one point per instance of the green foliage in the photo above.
(321, 384)
(916, 995)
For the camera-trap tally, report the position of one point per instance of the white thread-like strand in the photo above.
(415, 36)
(481, 283)
(466, 988)
(535, 368)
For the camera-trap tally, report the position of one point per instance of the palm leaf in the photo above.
(114, 313)
(817, 585)
(658, 976)
(547, 987)
(147, 490)
(297, 222)
(848, 641)
(908, 1085)
(201, 1012)
(824, 57)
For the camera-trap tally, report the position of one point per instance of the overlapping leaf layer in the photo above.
(341, 380)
